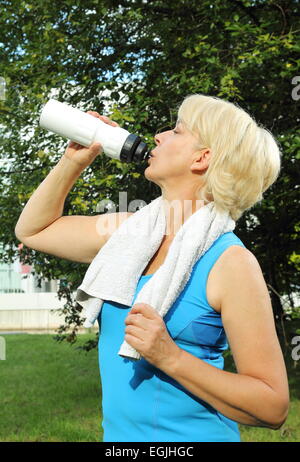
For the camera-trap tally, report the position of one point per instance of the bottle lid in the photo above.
(133, 150)
(142, 152)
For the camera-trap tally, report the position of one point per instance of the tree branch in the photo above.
(247, 10)
(283, 16)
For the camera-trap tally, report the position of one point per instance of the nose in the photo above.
(159, 137)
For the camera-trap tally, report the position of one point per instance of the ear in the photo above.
(200, 160)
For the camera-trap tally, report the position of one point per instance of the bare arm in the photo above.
(76, 237)
(258, 394)
(41, 225)
(47, 202)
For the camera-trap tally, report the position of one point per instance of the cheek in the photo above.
(170, 157)
(173, 165)
(172, 154)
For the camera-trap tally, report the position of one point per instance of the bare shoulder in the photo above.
(237, 256)
(236, 267)
(242, 280)
(239, 266)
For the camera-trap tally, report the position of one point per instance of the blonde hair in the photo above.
(245, 158)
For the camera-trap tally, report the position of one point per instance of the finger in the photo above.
(136, 332)
(137, 320)
(134, 342)
(95, 147)
(93, 113)
(105, 119)
(74, 145)
(108, 121)
(145, 309)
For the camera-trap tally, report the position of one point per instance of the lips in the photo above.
(151, 156)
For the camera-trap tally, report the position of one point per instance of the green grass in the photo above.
(51, 392)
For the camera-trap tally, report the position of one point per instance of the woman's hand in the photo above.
(81, 155)
(147, 333)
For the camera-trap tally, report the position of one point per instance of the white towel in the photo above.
(116, 269)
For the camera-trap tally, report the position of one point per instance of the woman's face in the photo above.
(173, 156)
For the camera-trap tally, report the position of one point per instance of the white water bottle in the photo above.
(83, 128)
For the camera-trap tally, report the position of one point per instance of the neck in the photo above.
(178, 208)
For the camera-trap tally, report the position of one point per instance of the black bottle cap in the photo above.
(141, 152)
(134, 149)
(129, 147)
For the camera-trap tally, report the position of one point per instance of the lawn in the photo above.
(51, 392)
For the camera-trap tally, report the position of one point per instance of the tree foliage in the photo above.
(135, 60)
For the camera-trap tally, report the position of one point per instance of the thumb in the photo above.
(96, 148)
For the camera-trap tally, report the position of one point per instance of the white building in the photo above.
(23, 305)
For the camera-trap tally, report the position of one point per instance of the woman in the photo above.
(179, 391)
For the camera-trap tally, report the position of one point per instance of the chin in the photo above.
(148, 176)
(147, 172)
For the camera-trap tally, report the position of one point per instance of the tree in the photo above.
(94, 51)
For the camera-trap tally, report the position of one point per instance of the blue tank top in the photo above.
(140, 403)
